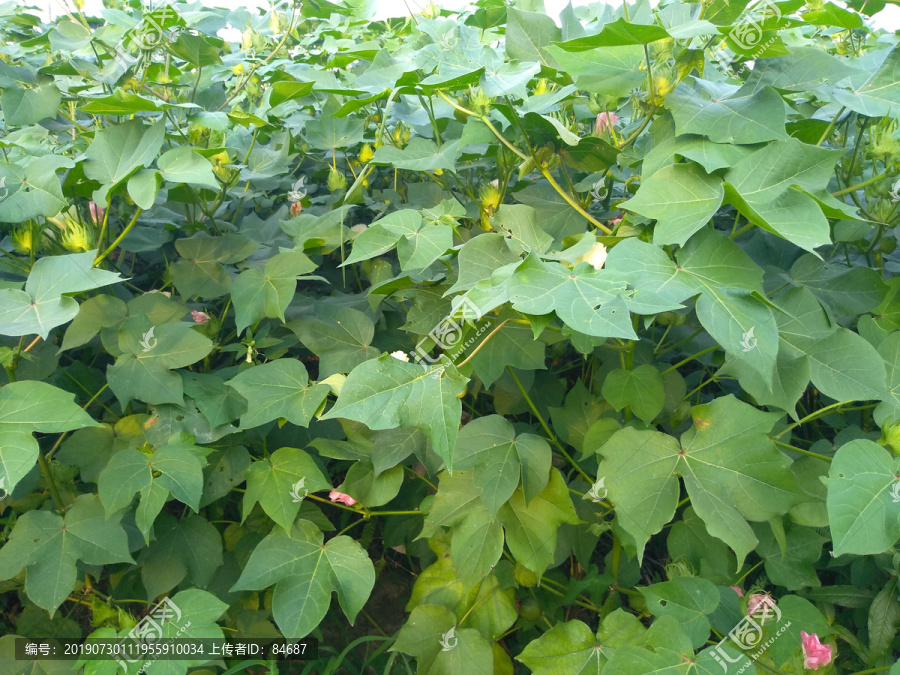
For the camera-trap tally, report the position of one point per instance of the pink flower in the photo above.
(200, 317)
(815, 654)
(738, 591)
(96, 212)
(605, 122)
(336, 496)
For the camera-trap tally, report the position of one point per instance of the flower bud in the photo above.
(366, 153)
(489, 196)
(76, 238)
(479, 102)
(23, 241)
(336, 180)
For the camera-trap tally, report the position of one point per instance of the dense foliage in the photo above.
(463, 343)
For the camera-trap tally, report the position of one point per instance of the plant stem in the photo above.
(550, 434)
(830, 127)
(48, 476)
(112, 247)
(821, 412)
(802, 451)
(853, 188)
(690, 358)
(482, 344)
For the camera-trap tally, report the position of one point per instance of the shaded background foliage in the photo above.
(643, 262)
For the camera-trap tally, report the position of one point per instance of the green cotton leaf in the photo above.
(805, 68)
(847, 292)
(195, 49)
(638, 474)
(528, 34)
(288, 90)
(471, 653)
(278, 389)
(420, 154)
(27, 407)
(689, 600)
(48, 547)
(611, 71)
(339, 336)
(569, 648)
(219, 403)
(422, 634)
(878, 96)
(279, 484)
(118, 150)
(658, 285)
(328, 131)
(793, 566)
(306, 572)
(42, 306)
(173, 469)
(418, 250)
(584, 298)
(490, 446)
(788, 381)
(641, 389)
(884, 615)
(713, 110)
(889, 408)
(260, 294)
(479, 258)
(385, 393)
(201, 272)
(143, 187)
(22, 107)
(556, 217)
(617, 33)
(681, 197)
(573, 421)
(183, 165)
(382, 235)
(730, 305)
(512, 346)
(846, 367)
(150, 353)
(758, 186)
(732, 471)
(188, 549)
(862, 503)
(519, 224)
(531, 529)
(33, 190)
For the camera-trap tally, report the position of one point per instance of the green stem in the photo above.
(744, 575)
(48, 476)
(853, 188)
(112, 247)
(690, 358)
(802, 451)
(821, 412)
(550, 434)
(830, 127)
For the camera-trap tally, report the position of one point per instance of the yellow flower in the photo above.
(76, 238)
(596, 256)
(366, 153)
(23, 241)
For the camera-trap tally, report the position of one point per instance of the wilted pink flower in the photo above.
(336, 496)
(815, 654)
(759, 601)
(605, 122)
(200, 317)
(96, 212)
(738, 591)
(615, 221)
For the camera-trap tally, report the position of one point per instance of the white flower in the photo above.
(596, 256)
(400, 355)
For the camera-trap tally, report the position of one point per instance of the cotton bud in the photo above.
(336, 180)
(366, 153)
